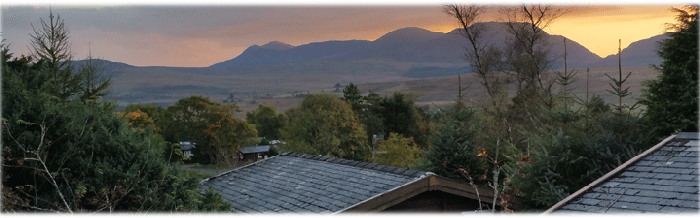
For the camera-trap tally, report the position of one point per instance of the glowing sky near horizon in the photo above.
(199, 36)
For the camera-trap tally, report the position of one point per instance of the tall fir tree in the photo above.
(672, 98)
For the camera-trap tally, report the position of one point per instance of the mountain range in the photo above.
(423, 47)
(399, 55)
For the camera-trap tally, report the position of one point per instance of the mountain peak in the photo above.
(276, 45)
(408, 34)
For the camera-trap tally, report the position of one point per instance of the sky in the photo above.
(188, 35)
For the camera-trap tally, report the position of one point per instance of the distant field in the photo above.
(441, 91)
(284, 92)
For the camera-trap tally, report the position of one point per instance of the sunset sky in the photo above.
(199, 36)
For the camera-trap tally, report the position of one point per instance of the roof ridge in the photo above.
(360, 164)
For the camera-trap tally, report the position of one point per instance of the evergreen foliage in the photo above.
(351, 95)
(564, 163)
(64, 155)
(367, 109)
(671, 99)
(50, 43)
(454, 144)
(400, 115)
(94, 84)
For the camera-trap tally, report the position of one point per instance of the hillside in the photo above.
(279, 69)
(639, 53)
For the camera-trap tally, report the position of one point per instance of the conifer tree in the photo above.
(50, 43)
(671, 99)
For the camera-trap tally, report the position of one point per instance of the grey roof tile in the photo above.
(689, 171)
(399, 170)
(688, 196)
(689, 154)
(642, 169)
(344, 161)
(583, 208)
(590, 195)
(334, 160)
(681, 159)
(632, 192)
(627, 198)
(681, 164)
(614, 210)
(647, 181)
(670, 202)
(686, 189)
(689, 204)
(389, 169)
(379, 167)
(666, 170)
(362, 164)
(666, 182)
(589, 201)
(626, 205)
(671, 209)
(647, 200)
(664, 175)
(644, 163)
(685, 177)
(687, 183)
(625, 179)
(649, 207)
(255, 149)
(648, 175)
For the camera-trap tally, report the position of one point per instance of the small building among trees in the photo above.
(187, 148)
(253, 153)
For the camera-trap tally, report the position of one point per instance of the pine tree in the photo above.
(50, 43)
(672, 98)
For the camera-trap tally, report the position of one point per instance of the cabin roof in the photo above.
(300, 183)
(255, 149)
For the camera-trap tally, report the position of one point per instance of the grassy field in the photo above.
(441, 91)
(285, 92)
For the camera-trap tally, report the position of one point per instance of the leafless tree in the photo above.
(484, 58)
(527, 52)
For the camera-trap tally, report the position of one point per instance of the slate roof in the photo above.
(299, 183)
(255, 149)
(663, 179)
(186, 146)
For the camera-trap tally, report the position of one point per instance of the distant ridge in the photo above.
(410, 44)
(639, 53)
